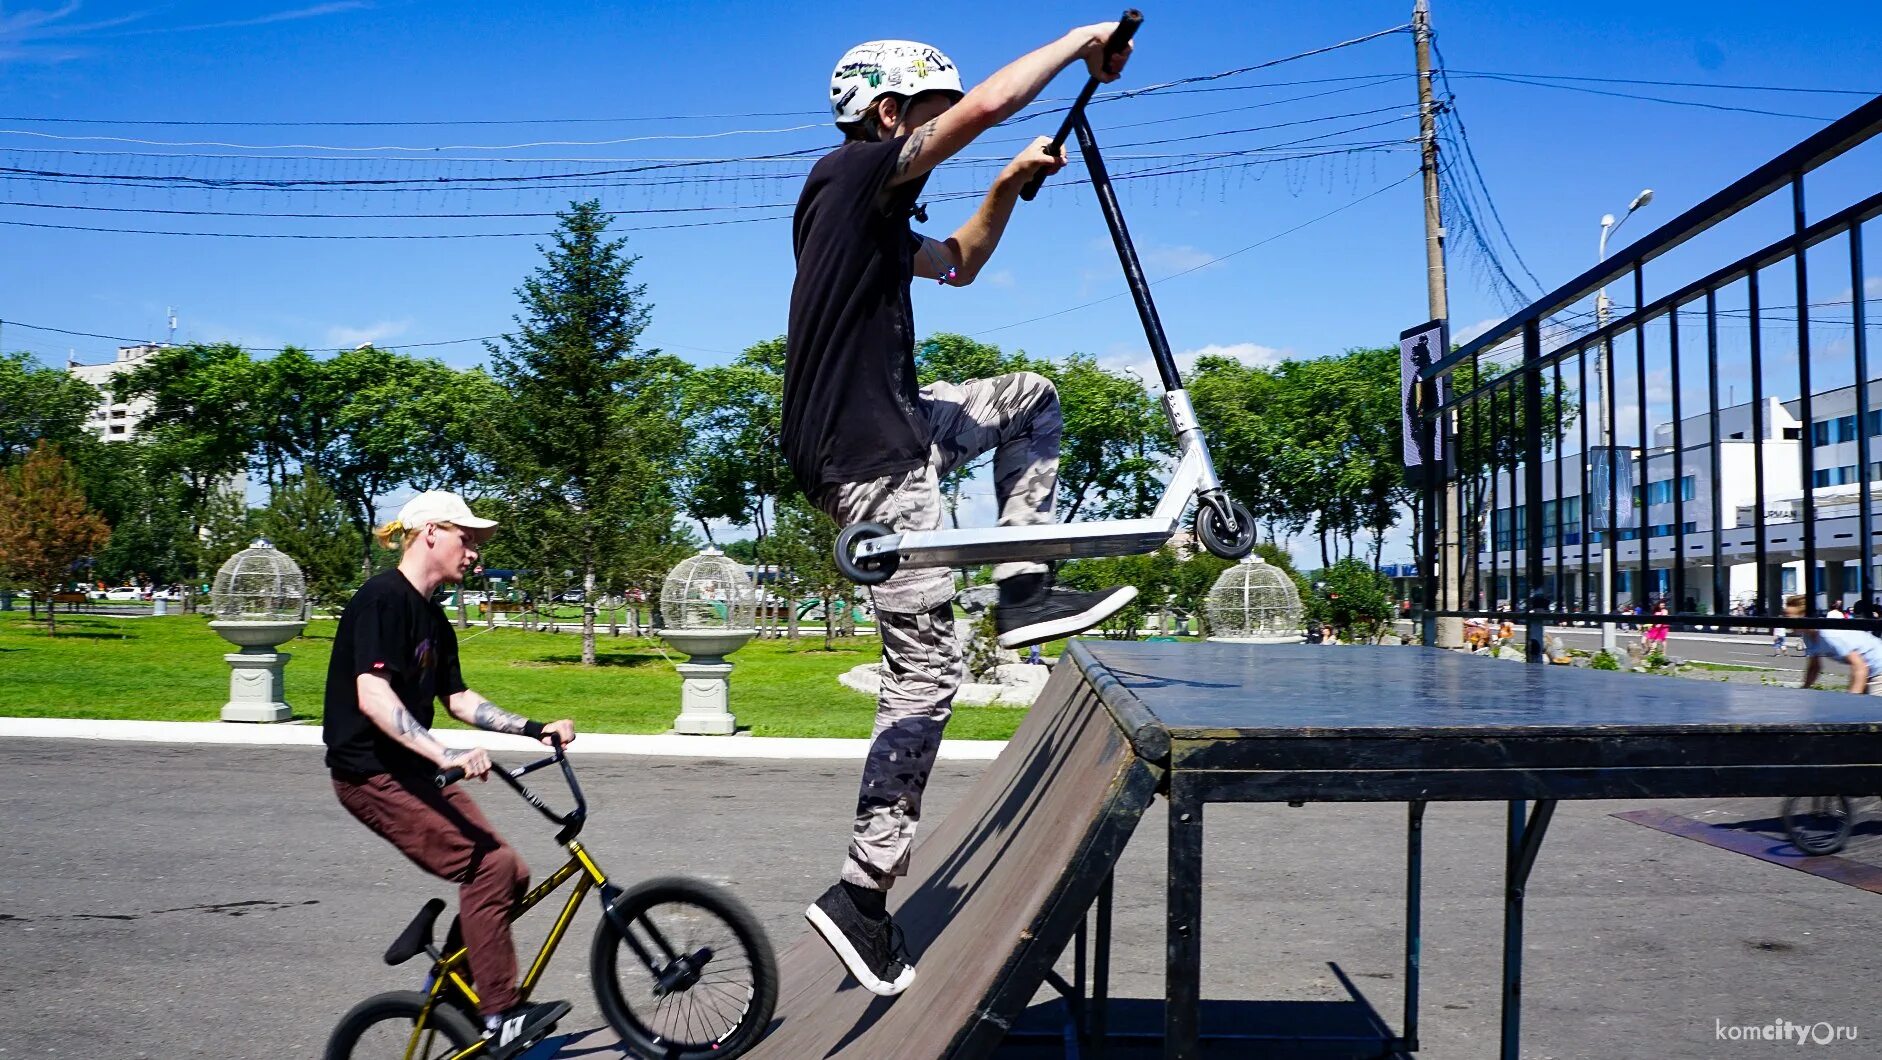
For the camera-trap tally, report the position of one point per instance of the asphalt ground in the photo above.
(160, 901)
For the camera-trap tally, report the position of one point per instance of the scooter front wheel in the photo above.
(876, 569)
(1216, 535)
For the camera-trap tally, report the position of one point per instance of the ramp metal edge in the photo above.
(1147, 734)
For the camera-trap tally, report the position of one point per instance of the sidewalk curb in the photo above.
(666, 746)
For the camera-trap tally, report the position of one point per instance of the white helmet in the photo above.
(876, 68)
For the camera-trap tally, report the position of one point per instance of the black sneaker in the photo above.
(523, 1026)
(872, 950)
(1033, 610)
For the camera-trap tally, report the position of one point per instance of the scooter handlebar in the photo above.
(1120, 37)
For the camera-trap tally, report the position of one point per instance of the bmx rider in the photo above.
(394, 657)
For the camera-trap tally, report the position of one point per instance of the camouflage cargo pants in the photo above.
(1017, 417)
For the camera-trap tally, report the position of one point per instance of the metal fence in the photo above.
(1711, 447)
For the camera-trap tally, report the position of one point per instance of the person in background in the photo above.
(1861, 651)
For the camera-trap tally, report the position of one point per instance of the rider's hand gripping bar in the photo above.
(571, 822)
(1126, 28)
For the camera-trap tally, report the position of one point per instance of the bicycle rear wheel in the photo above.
(1819, 824)
(709, 980)
(381, 1026)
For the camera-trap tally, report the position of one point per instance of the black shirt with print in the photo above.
(851, 400)
(388, 629)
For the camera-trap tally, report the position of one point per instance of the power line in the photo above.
(148, 341)
(1651, 99)
(1669, 84)
(1212, 261)
(407, 147)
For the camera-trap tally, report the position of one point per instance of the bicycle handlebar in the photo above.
(571, 822)
(1121, 36)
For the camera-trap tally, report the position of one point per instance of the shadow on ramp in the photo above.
(997, 892)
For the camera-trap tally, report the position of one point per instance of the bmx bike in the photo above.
(681, 969)
(1819, 824)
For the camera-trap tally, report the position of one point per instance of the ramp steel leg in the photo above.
(1101, 975)
(1183, 945)
(1523, 844)
(1414, 916)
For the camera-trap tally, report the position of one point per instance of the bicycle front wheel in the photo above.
(383, 1026)
(694, 976)
(1819, 824)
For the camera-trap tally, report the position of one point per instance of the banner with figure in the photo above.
(1612, 466)
(1418, 349)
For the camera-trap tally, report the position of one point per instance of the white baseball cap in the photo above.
(443, 506)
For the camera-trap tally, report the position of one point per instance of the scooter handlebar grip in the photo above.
(1120, 37)
(1126, 29)
(448, 777)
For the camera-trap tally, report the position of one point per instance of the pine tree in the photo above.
(46, 526)
(306, 521)
(590, 429)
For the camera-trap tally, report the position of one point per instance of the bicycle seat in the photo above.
(417, 934)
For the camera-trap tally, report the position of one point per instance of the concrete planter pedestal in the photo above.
(255, 680)
(706, 675)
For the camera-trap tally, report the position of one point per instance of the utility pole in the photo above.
(1450, 586)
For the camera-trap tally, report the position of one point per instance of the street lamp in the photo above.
(1609, 641)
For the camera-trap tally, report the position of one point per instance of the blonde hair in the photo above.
(396, 534)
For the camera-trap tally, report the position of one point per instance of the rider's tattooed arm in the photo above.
(471, 708)
(379, 702)
(487, 715)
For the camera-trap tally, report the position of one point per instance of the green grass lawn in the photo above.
(171, 669)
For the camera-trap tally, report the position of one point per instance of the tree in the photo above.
(1116, 441)
(40, 404)
(804, 548)
(46, 528)
(202, 421)
(307, 522)
(1151, 574)
(734, 467)
(1352, 597)
(591, 430)
(227, 526)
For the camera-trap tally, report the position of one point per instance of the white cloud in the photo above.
(342, 337)
(1144, 367)
(1479, 328)
(1001, 278)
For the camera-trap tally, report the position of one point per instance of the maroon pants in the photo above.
(444, 833)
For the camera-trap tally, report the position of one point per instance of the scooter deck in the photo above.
(1019, 544)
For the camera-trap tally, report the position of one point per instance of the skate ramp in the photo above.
(996, 890)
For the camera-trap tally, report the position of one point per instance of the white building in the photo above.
(1678, 495)
(113, 420)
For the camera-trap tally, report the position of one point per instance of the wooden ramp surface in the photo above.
(993, 897)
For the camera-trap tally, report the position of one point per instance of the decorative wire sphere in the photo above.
(1253, 600)
(709, 591)
(259, 584)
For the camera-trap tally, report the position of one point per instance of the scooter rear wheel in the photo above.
(1216, 535)
(876, 569)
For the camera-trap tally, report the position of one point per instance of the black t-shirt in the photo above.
(851, 402)
(390, 630)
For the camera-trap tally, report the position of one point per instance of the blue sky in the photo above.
(1554, 160)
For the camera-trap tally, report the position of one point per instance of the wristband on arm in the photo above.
(532, 729)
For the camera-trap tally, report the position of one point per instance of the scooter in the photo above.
(870, 553)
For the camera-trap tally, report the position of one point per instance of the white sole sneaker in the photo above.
(839, 943)
(1065, 626)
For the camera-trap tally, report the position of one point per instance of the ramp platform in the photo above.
(1003, 886)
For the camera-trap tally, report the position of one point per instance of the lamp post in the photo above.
(1609, 226)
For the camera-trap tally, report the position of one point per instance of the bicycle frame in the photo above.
(449, 969)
